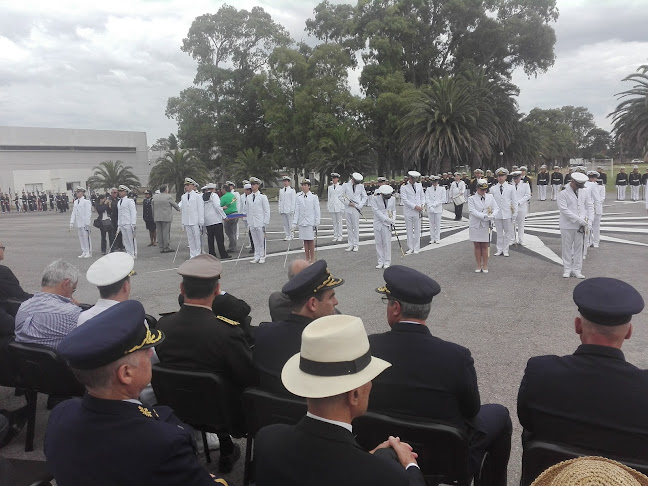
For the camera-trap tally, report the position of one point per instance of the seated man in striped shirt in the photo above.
(52, 313)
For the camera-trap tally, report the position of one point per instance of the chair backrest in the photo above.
(540, 455)
(262, 408)
(41, 369)
(442, 449)
(198, 398)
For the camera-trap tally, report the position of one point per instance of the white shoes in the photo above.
(416, 252)
(355, 248)
(349, 248)
(386, 265)
(485, 270)
(85, 255)
(595, 245)
(478, 270)
(379, 265)
(248, 247)
(262, 260)
(436, 241)
(256, 260)
(82, 255)
(565, 274)
(579, 275)
(287, 238)
(506, 253)
(409, 251)
(498, 253)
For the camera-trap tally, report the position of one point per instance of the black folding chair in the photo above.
(539, 455)
(42, 370)
(201, 400)
(263, 408)
(443, 450)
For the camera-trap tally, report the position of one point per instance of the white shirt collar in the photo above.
(329, 421)
(132, 400)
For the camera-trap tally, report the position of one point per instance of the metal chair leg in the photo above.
(32, 400)
(206, 446)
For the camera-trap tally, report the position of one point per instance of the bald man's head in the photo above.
(297, 266)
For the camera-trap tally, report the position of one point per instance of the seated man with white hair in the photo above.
(111, 274)
(333, 371)
(52, 313)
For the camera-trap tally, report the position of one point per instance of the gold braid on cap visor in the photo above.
(383, 290)
(149, 339)
(329, 282)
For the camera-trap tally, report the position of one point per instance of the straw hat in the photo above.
(334, 358)
(590, 471)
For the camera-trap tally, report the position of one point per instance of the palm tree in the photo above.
(174, 167)
(447, 121)
(252, 163)
(345, 150)
(630, 119)
(111, 174)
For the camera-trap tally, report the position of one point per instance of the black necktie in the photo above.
(120, 201)
(501, 189)
(285, 189)
(253, 197)
(188, 196)
(334, 188)
(385, 201)
(305, 196)
(353, 188)
(414, 187)
(483, 198)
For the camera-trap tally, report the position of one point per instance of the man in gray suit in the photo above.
(162, 215)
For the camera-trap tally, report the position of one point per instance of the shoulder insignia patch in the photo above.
(231, 322)
(145, 411)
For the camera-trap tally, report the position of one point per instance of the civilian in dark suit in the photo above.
(592, 399)
(433, 379)
(333, 371)
(198, 340)
(109, 437)
(311, 295)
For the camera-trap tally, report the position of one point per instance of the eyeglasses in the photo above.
(387, 300)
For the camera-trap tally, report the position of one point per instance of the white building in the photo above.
(59, 159)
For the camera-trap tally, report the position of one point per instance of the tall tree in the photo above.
(630, 118)
(344, 150)
(111, 174)
(251, 162)
(174, 167)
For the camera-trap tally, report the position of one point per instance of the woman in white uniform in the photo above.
(482, 207)
(307, 218)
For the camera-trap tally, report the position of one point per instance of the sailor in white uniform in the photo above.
(307, 219)
(507, 205)
(435, 198)
(413, 199)
(287, 199)
(595, 192)
(576, 218)
(193, 216)
(383, 206)
(335, 206)
(482, 208)
(127, 220)
(80, 217)
(354, 198)
(522, 194)
(457, 188)
(258, 218)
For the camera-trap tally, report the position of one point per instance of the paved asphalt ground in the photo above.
(522, 308)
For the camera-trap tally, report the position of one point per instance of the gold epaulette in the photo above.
(231, 322)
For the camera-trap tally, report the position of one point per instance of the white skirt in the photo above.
(306, 233)
(478, 235)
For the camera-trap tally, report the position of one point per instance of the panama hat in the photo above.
(590, 470)
(334, 358)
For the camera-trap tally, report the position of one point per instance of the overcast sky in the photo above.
(113, 64)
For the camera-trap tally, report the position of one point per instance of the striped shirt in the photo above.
(46, 319)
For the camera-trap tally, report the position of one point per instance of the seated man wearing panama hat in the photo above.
(333, 372)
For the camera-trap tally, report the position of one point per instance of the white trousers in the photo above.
(572, 250)
(519, 221)
(595, 234)
(86, 242)
(286, 219)
(337, 225)
(542, 192)
(555, 189)
(382, 235)
(194, 238)
(503, 228)
(258, 238)
(128, 238)
(352, 217)
(435, 226)
(634, 193)
(621, 192)
(413, 228)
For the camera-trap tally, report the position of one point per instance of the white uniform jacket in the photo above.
(481, 210)
(213, 212)
(192, 209)
(506, 200)
(287, 200)
(435, 198)
(258, 210)
(574, 211)
(382, 212)
(236, 201)
(359, 196)
(456, 188)
(126, 211)
(334, 204)
(81, 213)
(522, 194)
(412, 198)
(595, 194)
(243, 203)
(307, 210)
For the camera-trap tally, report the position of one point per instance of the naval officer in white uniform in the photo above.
(258, 217)
(80, 217)
(335, 206)
(193, 216)
(506, 201)
(435, 198)
(522, 194)
(287, 199)
(576, 218)
(127, 220)
(413, 199)
(354, 198)
(383, 206)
